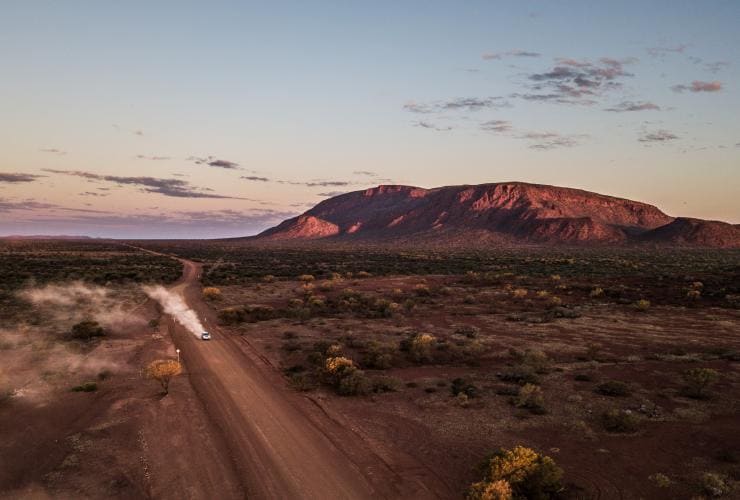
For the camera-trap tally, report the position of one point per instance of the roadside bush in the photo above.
(519, 473)
(613, 388)
(346, 378)
(163, 370)
(621, 421)
(212, 293)
(86, 330)
(698, 381)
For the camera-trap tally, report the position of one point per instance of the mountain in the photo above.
(507, 212)
(687, 231)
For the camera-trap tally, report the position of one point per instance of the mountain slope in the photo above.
(500, 212)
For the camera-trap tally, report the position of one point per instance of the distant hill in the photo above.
(507, 212)
(44, 237)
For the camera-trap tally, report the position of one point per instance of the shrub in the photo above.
(86, 387)
(420, 347)
(530, 397)
(378, 356)
(463, 386)
(613, 388)
(354, 383)
(86, 330)
(622, 421)
(268, 278)
(519, 293)
(693, 294)
(519, 473)
(345, 377)
(715, 485)
(385, 384)
(306, 278)
(596, 292)
(212, 293)
(660, 480)
(422, 290)
(521, 375)
(583, 377)
(698, 381)
(642, 305)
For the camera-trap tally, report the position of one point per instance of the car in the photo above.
(205, 336)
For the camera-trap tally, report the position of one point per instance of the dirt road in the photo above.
(277, 448)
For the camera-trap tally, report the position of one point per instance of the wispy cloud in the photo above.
(153, 158)
(431, 126)
(544, 141)
(658, 136)
(489, 56)
(662, 51)
(212, 161)
(458, 104)
(581, 82)
(496, 126)
(177, 188)
(331, 194)
(53, 151)
(18, 178)
(365, 173)
(633, 106)
(699, 86)
(32, 206)
(254, 178)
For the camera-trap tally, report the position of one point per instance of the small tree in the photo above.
(162, 370)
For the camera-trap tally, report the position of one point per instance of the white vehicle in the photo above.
(205, 336)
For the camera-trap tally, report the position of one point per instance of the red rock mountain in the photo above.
(501, 212)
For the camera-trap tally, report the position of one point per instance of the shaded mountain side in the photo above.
(512, 212)
(687, 231)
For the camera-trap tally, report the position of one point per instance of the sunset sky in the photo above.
(210, 119)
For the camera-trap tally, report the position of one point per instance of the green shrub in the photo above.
(385, 384)
(464, 386)
(621, 421)
(530, 397)
(715, 485)
(698, 381)
(86, 330)
(613, 388)
(86, 387)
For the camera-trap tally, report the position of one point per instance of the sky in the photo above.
(180, 119)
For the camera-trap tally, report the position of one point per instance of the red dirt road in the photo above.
(278, 448)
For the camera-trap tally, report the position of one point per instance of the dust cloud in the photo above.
(175, 306)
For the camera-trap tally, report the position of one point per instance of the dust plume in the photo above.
(74, 301)
(176, 307)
